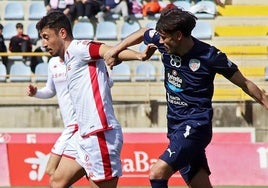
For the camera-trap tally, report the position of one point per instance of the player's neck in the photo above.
(186, 45)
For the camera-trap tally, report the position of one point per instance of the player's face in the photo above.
(52, 41)
(170, 42)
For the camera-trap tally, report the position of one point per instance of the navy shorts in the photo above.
(186, 149)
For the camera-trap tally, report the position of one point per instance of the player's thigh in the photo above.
(52, 163)
(68, 172)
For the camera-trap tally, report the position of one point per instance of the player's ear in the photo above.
(63, 33)
(179, 35)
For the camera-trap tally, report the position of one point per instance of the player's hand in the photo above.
(148, 52)
(111, 58)
(31, 90)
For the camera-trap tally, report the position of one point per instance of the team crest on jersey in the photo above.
(194, 64)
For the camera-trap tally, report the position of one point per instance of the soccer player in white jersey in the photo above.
(62, 154)
(100, 142)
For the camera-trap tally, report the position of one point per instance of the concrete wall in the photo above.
(139, 114)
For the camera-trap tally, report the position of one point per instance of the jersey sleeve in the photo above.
(94, 49)
(88, 50)
(151, 36)
(49, 90)
(222, 65)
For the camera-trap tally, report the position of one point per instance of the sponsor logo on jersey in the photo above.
(174, 81)
(175, 61)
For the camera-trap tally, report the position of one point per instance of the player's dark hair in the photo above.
(55, 20)
(175, 19)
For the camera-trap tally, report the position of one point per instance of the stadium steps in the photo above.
(14, 93)
(240, 30)
(247, 2)
(254, 50)
(243, 10)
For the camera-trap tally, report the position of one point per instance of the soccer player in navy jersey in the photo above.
(190, 68)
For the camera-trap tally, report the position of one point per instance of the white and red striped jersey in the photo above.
(89, 87)
(57, 85)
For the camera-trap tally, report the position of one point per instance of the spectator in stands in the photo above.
(65, 6)
(88, 9)
(190, 67)
(3, 47)
(20, 42)
(136, 7)
(114, 7)
(151, 7)
(195, 8)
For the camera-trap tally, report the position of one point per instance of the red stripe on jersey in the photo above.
(75, 128)
(96, 93)
(94, 50)
(105, 155)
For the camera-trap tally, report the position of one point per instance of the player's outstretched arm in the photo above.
(44, 93)
(250, 88)
(135, 38)
(127, 54)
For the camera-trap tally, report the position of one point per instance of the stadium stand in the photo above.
(83, 30)
(14, 11)
(243, 10)
(253, 71)
(19, 72)
(41, 71)
(185, 5)
(254, 50)
(145, 72)
(240, 30)
(36, 10)
(154, 57)
(230, 94)
(266, 73)
(9, 30)
(151, 24)
(106, 30)
(3, 73)
(127, 28)
(208, 10)
(202, 30)
(32, 32)
(121, 72)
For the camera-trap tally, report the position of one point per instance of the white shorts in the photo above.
(98, 154)
(63, 140)
(72, 146)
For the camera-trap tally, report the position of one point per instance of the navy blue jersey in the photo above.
(189, 80)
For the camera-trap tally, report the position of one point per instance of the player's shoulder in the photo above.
(54, 61)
